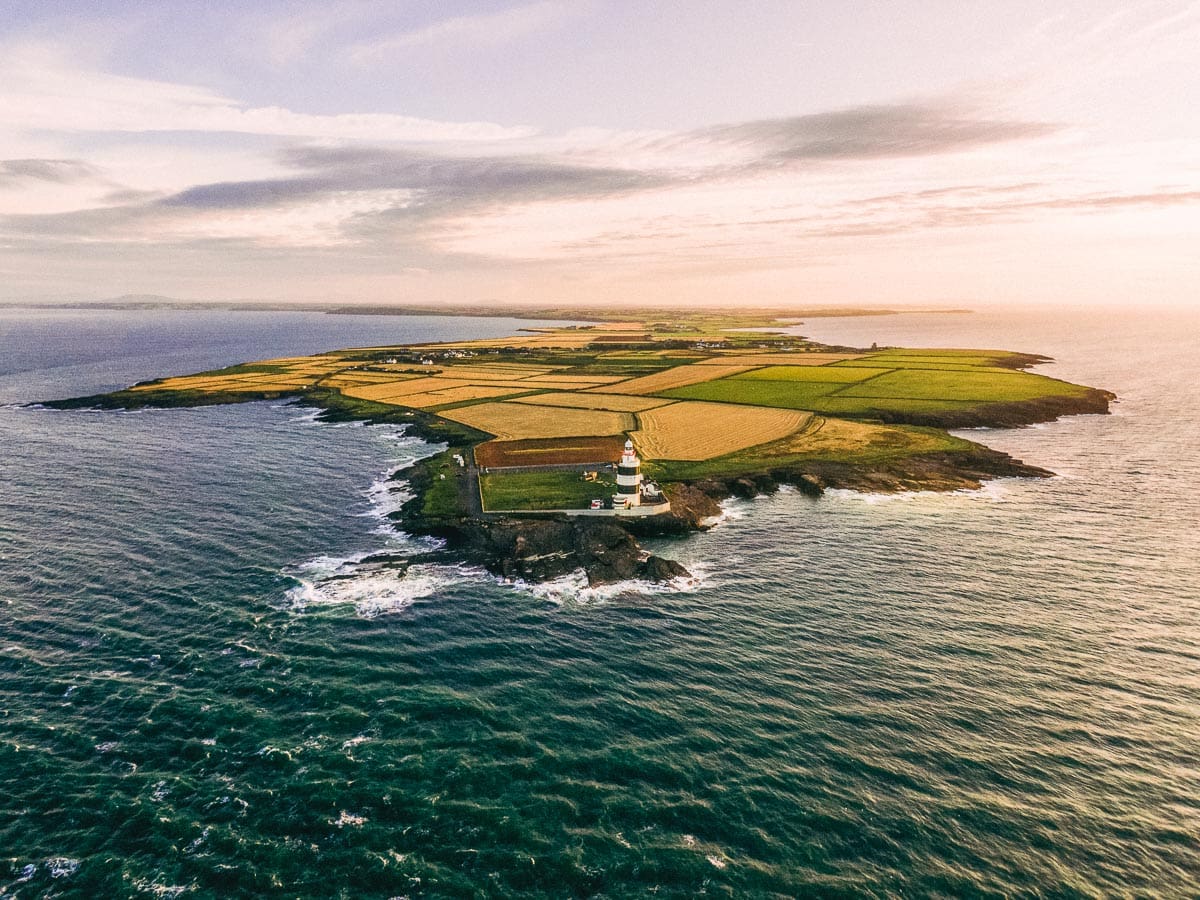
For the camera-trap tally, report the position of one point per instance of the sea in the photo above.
(205, 693)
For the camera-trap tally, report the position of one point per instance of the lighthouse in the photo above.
(629, 479)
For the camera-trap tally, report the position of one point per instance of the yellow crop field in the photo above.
(282, 376)
(698, 430)
(614, 402)
(779, 359)
(680, 376)
(367, 378)
(568, 380)
(267, 386)
(840, 436)
(488, 373)
(452, 395)
(227, 383)
(213, 385)
(639, 327)
(186, 384)
(523, 368)
(288, 361)
(515, 421)
(383, 392)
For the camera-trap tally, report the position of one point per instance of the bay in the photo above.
(984, 693)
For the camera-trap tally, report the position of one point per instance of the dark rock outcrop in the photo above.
(538, 549)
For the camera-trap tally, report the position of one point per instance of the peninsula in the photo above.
(558, 448)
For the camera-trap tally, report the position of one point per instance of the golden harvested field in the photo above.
(618, 326)
(267, 386)
(519, 369)
(383, 392)
(779, 359)
(615, 402)
(839, 436)
(367, 378)
(214, 385)
(486, 373)
(283, 376)
(453, 395)
(568, 380)
(698, 430)
(227, 383)
(680, 376)
(516, 421)
(289, 361)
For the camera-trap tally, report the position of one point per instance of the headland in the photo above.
(560, 447)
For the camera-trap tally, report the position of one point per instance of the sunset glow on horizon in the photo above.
(702, 153)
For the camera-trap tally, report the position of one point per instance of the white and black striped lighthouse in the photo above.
(629, 478)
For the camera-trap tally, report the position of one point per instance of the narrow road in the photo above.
(468, 485)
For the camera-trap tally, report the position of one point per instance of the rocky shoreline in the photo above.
(542, 546)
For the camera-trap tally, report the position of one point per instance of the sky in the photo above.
(941, 153)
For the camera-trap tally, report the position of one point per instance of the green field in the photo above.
(540, 490)
(812, 374)
(986, 386)
(916, 391)
(914, 362)
(875, 407)
(942, 353)
(784, 394)
(440, 499)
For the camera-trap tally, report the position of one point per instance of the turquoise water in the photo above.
(991, 693)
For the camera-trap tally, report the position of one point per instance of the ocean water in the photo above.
(988, 693)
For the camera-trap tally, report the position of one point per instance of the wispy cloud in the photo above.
(377, 193)
(874, 132)
(58, 171)
(483, 28)
(44, 90)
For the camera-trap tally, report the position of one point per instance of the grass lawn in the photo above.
(440, 499)
(541, 490)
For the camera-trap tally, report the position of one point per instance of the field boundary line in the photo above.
(860, 381)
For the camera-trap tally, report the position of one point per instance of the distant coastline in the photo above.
(480, 310)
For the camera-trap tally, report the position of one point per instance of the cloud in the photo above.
(57, 171)
(1159, 199)
(483, 28)
(390, 195)
(435, 182)
(458, 181)
(44, 90)
(871, 132)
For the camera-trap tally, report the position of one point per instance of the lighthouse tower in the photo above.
(629, 478)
